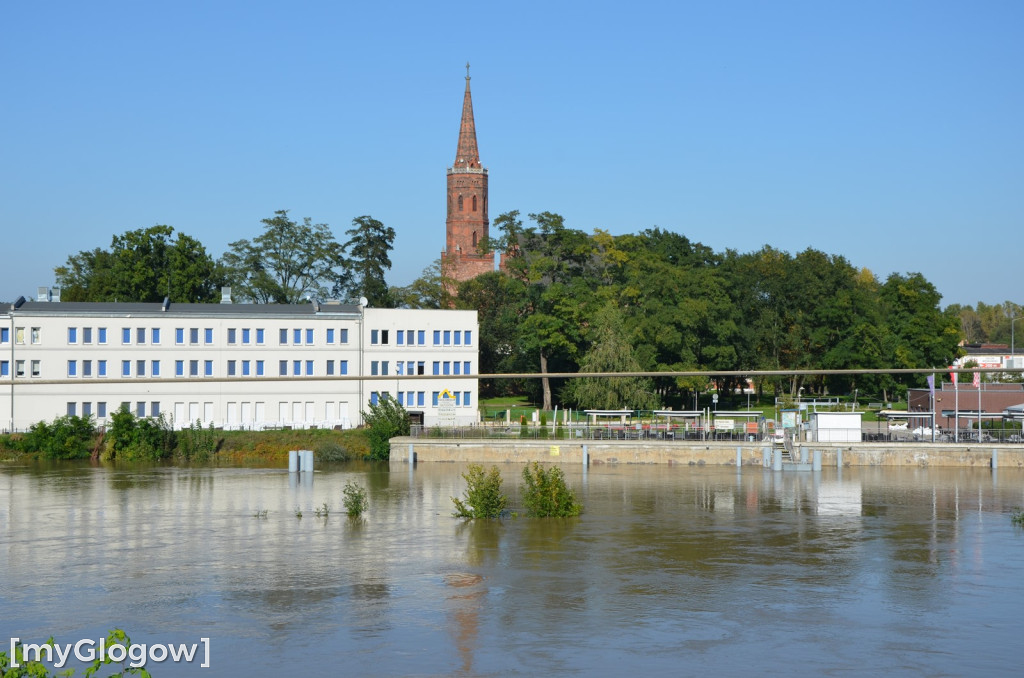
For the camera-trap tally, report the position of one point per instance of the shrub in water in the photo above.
(331, 450)
(354, 499)
(483, 497)
(386, 419)
(545, 493)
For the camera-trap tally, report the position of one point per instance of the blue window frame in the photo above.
(5, 335)
(193, 335)
(208, 368)
(245, 368)
(259, 368)
(296, 336)
(101, 368)
(421, 337)
(140, 335)
(282, 368)
(155, 335)
(446, 367)
(309, 368)
(420, 398)
(458, 338)
(126, 368)
(246, 335)
(437, 337)
(72, 368)
(126, 335)
(374, 368)
(447, 337)
(232, 335)
(259, 335)
(193, 368)
(179, 368)
(468, 336)
(282, 337)
(330, 335)
(309, 336)
(456, 368)
(465, 368)
(401, 337)
(208, 335)
(343, 367)
(101, 335)
(344, 335)
(433, 398)
(330, 368)
(140, 368)
(179, 335)
(296, 368)
(374, 336)
(437, 367)
(154, 368)
(373, 398)
(72, 335)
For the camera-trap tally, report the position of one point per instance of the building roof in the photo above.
(86, 308)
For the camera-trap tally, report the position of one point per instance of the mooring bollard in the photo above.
(412, 455)
(776, 460)
(586, 457)
(739, 457)
(293, 461)
(766, 457)
(995, 459)
(307, 461)
(816, 464)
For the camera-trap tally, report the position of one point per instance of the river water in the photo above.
(669, 571)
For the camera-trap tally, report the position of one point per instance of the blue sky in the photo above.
(888, 132)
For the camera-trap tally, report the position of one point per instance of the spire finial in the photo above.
(467, 70)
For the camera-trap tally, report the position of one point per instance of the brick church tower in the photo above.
(467, 221)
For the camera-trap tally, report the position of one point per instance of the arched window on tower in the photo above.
(474, 236)
(460, 202)
(474, 203)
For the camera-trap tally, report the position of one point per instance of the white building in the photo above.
(248, 366)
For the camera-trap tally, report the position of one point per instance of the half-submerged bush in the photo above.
(68, 437)
(545, 494)
(483, 497)
(385, 420)
(354, 499)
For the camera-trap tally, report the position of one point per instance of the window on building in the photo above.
(19, 335)
(421, 337)
(154, 370)
(433, 398)
(309, 368)
(179, 368)
(384, 367)
(72, 335)
(245, 368)
(126, 368)
(343, 367)
(101, 335)
(421, 367)
(420, 398)
(458, 338)
(193, 335)
(34, 367)
(330, 335)
(437, 337)
(208, 335)
(154, 409)
(465, 398)
(140, 408)
(447, 337)
(101, 368)
(465, 368)
(456, 367)
(140, 335)
(374, 368)
(282, 337)
(140, 368)
(126, 335)
(437, 367)
(309, 336)
(344, 335)
(86, 409)
(5, 335)
(193, 368)
(259, 336)
(5, 368)
(374, 337)
(179, 335)
(259, 368)
(330, 368)
(374, 398)
(458, 399)
(208, 368)
(86, 335)
(19, 368)
(72, 410)
(282, 368)
(231, 368)
(154, 335)
(401, 338)
(246, 334)
(399, 368)
(446, 367)
(101, 409)
(86, 368)
(460, 202)
(34, 335)
(231, 335)
(296, 368)
(467, 335)
(384, 337)
(296, 336)
(72, 368)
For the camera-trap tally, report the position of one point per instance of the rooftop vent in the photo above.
(225, 295)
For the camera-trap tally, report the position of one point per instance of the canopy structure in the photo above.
(1014, 412)
(622, 415)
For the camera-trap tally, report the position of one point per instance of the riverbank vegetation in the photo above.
(130, 438)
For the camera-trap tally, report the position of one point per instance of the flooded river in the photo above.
(669, 571)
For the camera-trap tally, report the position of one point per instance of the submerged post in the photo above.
(412, 455)
(995, 459)
(307, 461)
(586, 457)
(293, 461)
(839, 457)
(766, 456)
(739, 457)
(816, 463)
(776, 460)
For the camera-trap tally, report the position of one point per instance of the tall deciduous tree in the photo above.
(369, 246)
(144, 265)
(287, 263)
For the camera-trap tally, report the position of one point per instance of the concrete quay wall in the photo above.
(497, 451)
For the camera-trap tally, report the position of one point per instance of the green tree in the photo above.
(287, 263)
(368, 248)
(545, 494)
(144, 265)
(610, 352)
(385, 420)
(483, 497)
(427, 291)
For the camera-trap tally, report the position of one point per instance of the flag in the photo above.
(931, 385)
(977, 380)
(952, 375)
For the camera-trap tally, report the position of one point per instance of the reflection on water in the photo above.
(669, 570)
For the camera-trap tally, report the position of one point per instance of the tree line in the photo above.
(289, 262)
(567, 301)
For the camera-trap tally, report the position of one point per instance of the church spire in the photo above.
(467, 155)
